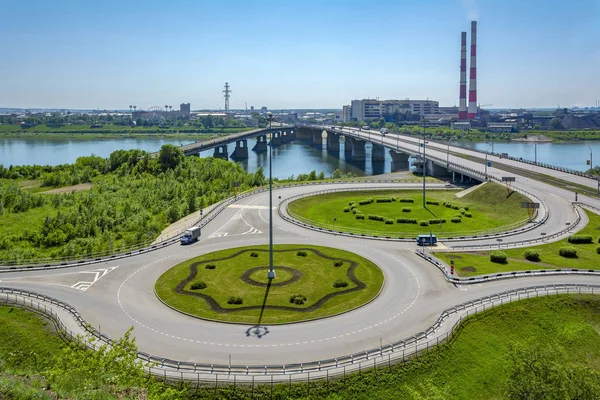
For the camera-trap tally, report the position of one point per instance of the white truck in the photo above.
(383, 131)
(190, 235)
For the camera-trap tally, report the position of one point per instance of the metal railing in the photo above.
(437, 333)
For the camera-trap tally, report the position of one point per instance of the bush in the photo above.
(355, 211)
(393, 199)
(360, 216)
(456, 220)
(406, 209)
(437, 221)
(567, 252)
(432, 202)
(210, 266)
(581, 239)
(407, 200)
(351, 203)
(376, 217)
(423, 223)
(463, 211)
(532, 255)
(598, 249)
(346, 209)
(297, 299)
(406, 220)
(254, 254)
(364, 202)
(338, 263)
(384, 200)
(455, 207)
(468, 214)
(235, 300)
(498, 257)
(389, 221)
(466, 208)
(340, 283)
(198, 286)
(301, 254)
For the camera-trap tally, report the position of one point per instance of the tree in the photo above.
(555, 123)
(170, 156)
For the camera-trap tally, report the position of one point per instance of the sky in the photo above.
(109, 54)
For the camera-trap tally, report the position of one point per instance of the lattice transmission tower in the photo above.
(227, 95)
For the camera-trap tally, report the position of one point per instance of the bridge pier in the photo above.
(358, 150)
(317, 140)
(437, 170)
(378, 153)
(275, 139)
(221, 152)
(333, 142)
(261, 144)
(303, 134)
(286, 137)
(399, 160)
(241, 150)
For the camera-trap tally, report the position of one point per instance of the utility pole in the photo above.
(271, 273)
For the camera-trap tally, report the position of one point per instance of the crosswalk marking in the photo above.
(250, 207)
(98, 274)
(216, 235)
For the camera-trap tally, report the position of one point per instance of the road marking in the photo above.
(250, 207)
(216, 235)
(98, 274)
(252, 231)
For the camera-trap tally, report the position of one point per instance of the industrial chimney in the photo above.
(473, 73)
(462, 98)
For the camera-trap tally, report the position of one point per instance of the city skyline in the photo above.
(304, 55)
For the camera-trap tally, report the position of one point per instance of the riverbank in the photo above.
(96, 135)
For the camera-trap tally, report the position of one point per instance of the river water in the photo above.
(290, 159)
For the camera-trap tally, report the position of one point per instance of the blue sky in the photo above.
(294, 54)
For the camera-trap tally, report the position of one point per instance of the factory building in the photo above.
(370, 109)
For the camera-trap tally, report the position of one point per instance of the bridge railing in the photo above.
(443, 330)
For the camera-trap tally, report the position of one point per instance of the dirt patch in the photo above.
(69, 189)
(30, 184)
(455, 257)
(469, 269)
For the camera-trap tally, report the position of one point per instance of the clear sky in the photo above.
(294, 54)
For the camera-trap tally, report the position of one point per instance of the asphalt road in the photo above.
(114, 296)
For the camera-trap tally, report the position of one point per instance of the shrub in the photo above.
(338, 263)
(437, 221)
(235, 300)
(581, 239)
(365, 201)
(406, 209)
(384, 200)
(463, 211)
(468, 215)
(423, 223)
(301, 254)
(407, 200)
(340, 283)
(393, 199)
(351, 203)
(568, 252)
(498, 257)
(389, 221)
(456, 220)
(298, 299)
(532, 255)
(455, 207)
(598, 249)
(360, 216)
(356, 211)
(432, 202)
(198, 286)
(346, 209)
(376, 217)
(254, 254)
(406, 220)
(210, 266)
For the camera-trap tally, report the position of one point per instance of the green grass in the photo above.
(491, 207)
(318, 276)
(478, 263)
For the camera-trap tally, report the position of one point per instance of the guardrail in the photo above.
(437, 333)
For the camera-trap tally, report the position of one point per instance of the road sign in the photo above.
(527, 204)
(489, 163)
(452, 262)
(588, 162)
(508, 179)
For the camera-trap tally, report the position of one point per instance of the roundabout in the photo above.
(232, 286)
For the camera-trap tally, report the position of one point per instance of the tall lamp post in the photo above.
(448, 154)
(424, 164)
(271, 273)
(592, 169)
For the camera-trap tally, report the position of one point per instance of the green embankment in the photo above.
(318, 274)
(478, 263)
(555, 338)
(490, 206)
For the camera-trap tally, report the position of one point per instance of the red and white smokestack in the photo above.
(472, 112)
(462, 98)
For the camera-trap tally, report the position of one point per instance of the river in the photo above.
(288, 160)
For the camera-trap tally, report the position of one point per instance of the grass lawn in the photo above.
(316, 281)
(478, 263)
(491, 207)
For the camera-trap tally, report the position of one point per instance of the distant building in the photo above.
(369, 109)
(503, 126)
(185, 108)
(251, 108)
(263, 109)
(461, 126)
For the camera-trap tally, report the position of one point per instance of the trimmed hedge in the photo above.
(340, 283)
(598, 249)
(423, 223)
(406, 209)
(432, 202)
(338, 263)
(210, 266)
(360, 216)
(389, 221)
(463, 211)
(498, 257)
(346, 209)
(532, 255)
(456, 220)
(407, 200)
(376, 217)
(393, 199)
(198, 286)
(235, 300)
(406, 220)
(254, 254)
(384, 200)
(351, 203)
(301, 253)
(580, 239)
(365, 202)
(468, 214)
(298, 299)
(567, 252)
(437, 221)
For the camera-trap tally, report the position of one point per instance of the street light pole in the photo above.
(592, 165)
(271, 273)
(424, 165)
(448, 154)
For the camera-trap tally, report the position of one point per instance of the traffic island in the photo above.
(232, 286)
